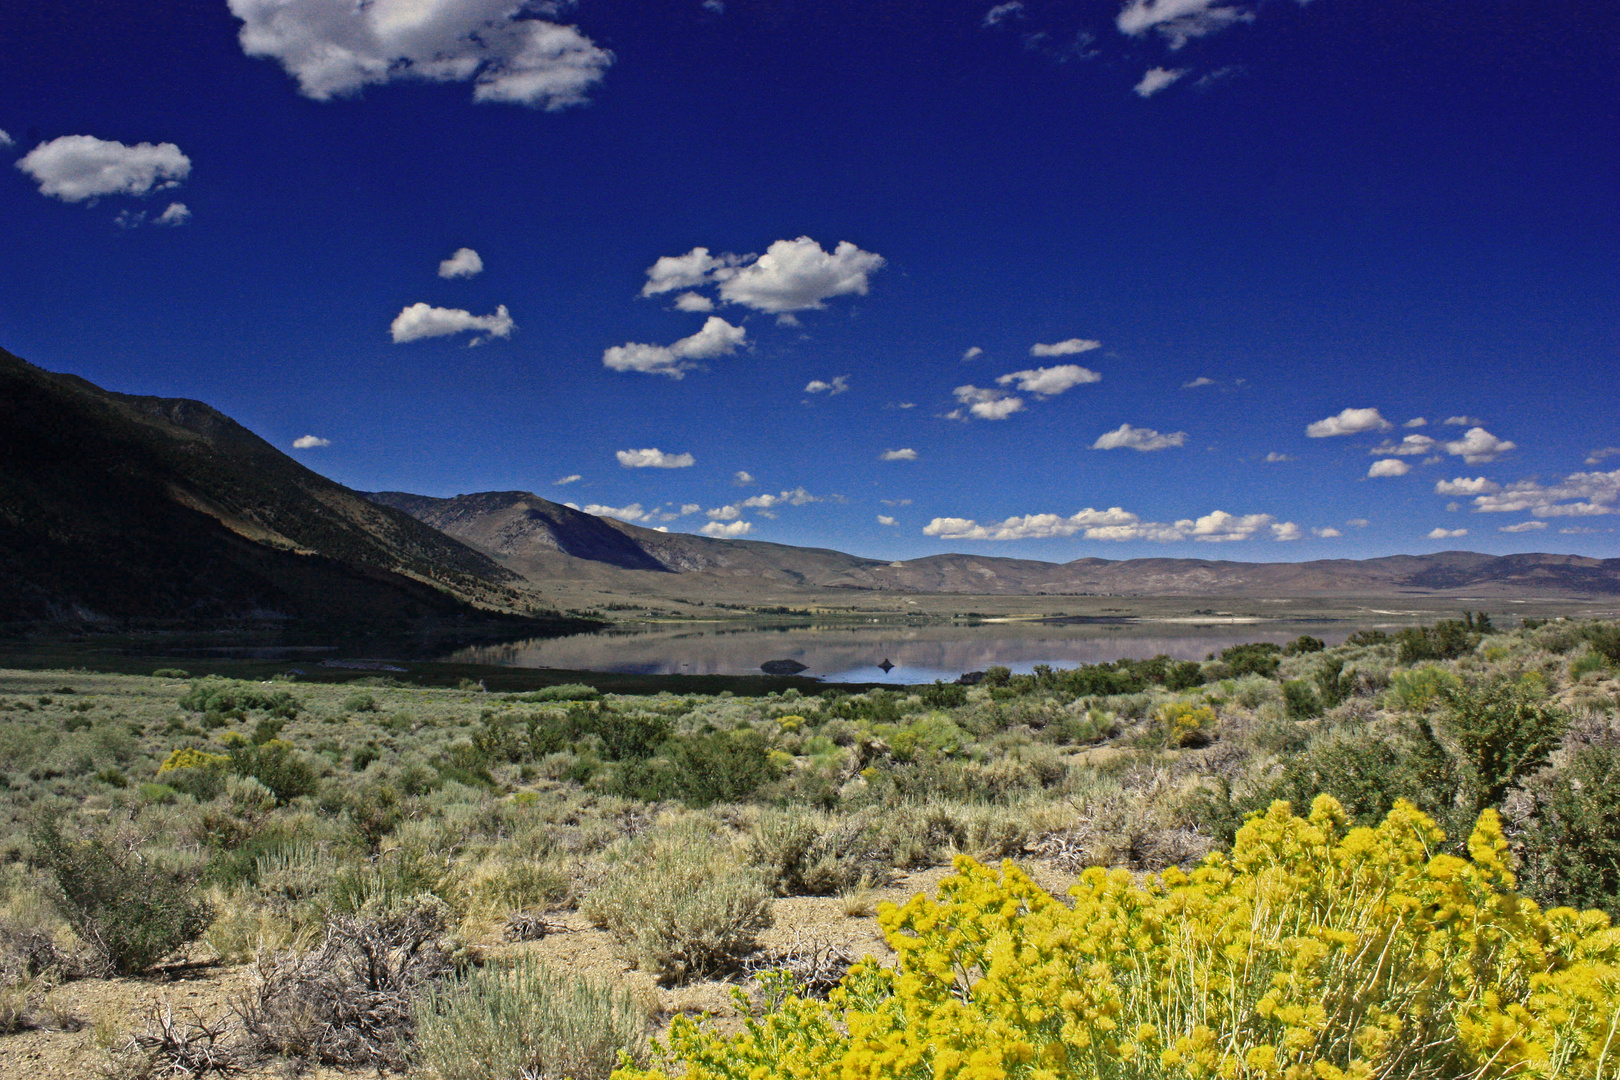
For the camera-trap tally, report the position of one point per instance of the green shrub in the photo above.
(1605, 639)
(234, 700)
(276, 765)
(944, 695)
(170, 673)
(1502, 731)
(360, 703)
(1571, 853)
(722, 766)
(1303, 644)
(678, 902)
(1254, 658)
(1445, 640)
(129, 909)
(1301, 700)
(522, 1019)
(805, 853)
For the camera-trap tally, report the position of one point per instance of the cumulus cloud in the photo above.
(1195, 383)
(1462, 485)
(1003, 11)
(797, 497)
(727, 532)
(1348, 422)
(1478, 446)
(1326, 532)
(839, 384)
(1446, 534)
(973, 352)
(424, 321)
(654, 458)
(1596, 456)
(691, 301)
(1047, 381)
(1389, 467)
(1064, 348)
(310, 442)
(1179, 21)
(885, 519)
(1584, 494)
(1416, 421)
(1523, 526)
(464, 263)
(905, 453)
(1156, 79)
(176, 213)
(1275, 457)
(716, 338)
(74, 168)
(1112, 524)
(724, 513)
(742, 478)
(6, 140)
(1411, 446)
(1462, 421)
(336, 47)
(1134, 438)
(792, 275)
(572, 478)
(1286, 530)
(987, 404)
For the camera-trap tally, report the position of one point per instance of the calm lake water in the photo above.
(919, 653)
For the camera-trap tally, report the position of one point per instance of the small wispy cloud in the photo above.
(572, 478)
(903, 454)
(425, 321)
(464, 263)
(727, 531)
(1126, 437)
(1064, 348)
(1202, 380)
(1156, 79)
(310, 442)
(654, 458)
(838, 385)
(1348, 422)
(1446, 534)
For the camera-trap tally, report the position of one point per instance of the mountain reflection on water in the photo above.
(853, 652)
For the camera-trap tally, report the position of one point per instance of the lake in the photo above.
(919, 653)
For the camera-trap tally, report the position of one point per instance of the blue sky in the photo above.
(1050, 279)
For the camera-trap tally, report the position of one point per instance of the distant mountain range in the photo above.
(118, 510)
(544, 540)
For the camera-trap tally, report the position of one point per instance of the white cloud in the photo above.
(1447, 534)
(797, 497)
(422, 321)
(633, 512)
(1599, 454)
(895, 502)
(724, 513)
(1462, 421)
(1202, 380)
(731, 531)
(1178, 20)
(572, 478)
(129, 219)
(653, 458)
(687, 271)
(1585, 494)
(691, 301)
(464, 263)
(1462, 485)
(309, 442)
(797, 275)
(74, 168)
(1275, 457)
(988, 404)
(741, 478)
(1348, 422)
(1286, 530)
(1156, 79)
(973, 352)
(1047, 381)
(1358, 523)
(1411, 446)
(1416, 421)
(337, 47)
(885, 519)
(1134, 438)
(1523, 526)
(1326, 532)
(716, 338)
(1112, 524)
(716, 6)
(1389, 467)
(6, 140)
(176, 213)
(1478, 446)
(1064, 348)
(1003, 11)
(903, 454)
(839, 384)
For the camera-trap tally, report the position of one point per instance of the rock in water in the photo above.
(885, 667)
(782, 667)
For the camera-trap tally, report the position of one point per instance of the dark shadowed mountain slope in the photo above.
(140, 508)
(548, 541)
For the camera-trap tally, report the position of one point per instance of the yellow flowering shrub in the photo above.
(1187, 724)
(188, 758)
(1311, 951)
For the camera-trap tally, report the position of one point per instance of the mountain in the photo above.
(146, 510)
(548, 542)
